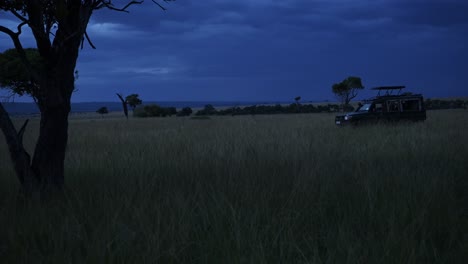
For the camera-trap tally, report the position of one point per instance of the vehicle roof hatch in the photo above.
(389, 90)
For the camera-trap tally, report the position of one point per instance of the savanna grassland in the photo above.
(247, 189)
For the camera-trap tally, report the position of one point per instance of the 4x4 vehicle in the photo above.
(391, 106)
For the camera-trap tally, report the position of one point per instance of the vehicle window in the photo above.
(365, 107)
(410, 105)
(393, 106)
(378, 107)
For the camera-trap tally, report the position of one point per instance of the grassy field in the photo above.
(261, 189)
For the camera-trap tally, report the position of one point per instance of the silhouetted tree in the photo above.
(133, 100)
(103, 110)
(347, 90)
(297, 99)
(186, 111)
(207, 110)
(124, 105)
(59, 30)
(170, 111)
(298, 105)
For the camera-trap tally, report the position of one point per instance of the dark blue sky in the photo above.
(271, 49)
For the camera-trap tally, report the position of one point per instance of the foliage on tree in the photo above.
(170, 111)
(154, 110)
(103, 110)
(14, 74)
(347, 89)
(59, 29)
(186, 111)
(207, 110)
(133, 100)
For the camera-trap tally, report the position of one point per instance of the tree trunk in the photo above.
(45, 174)
(49, 154)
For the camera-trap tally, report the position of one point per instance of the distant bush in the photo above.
(154, 110)
(139, 112)
(348, 108)
(272, 109)
(207, 110)
(445, 104)
(186, 111)
(103, 110)
(170, 111)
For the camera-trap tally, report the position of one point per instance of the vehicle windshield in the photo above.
(364, 108)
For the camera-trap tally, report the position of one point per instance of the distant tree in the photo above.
(124, 105)
(59, 29)
(140, 112)
(103, 110)
(186, 111)
(154, 110)
(347, 90)
(170, 111)
(298, 105)
(207, 110)
(297, 99)
(133, 100)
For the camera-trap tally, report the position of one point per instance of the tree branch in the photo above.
(19, 47)
(20, 17)
(21, 159)
(162, 7)
(36, 16)
(89, 41)
(109, 5)
(20, 27)
(21, 131)
(102, 3)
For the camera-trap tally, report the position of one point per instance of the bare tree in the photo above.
(59, 30)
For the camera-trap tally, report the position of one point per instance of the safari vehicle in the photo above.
(389, 105)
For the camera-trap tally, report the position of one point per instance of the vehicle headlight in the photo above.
(347, 117)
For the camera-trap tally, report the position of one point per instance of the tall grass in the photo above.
(262, 189)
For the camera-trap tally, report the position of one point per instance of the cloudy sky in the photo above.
(271, 50)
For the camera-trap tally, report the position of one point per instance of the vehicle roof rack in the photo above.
(388, 89)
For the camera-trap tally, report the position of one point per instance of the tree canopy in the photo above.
(347, 89)
(15, 76)
(133, 100)
(103, 110)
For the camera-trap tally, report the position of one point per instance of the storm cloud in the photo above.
(271, 49)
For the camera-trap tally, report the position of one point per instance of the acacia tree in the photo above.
(133, 101)
(347, 90)
(103, 110)
(59, 29)
(14, 75)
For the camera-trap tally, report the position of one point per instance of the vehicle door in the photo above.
(411, 109)
(375, 111)
(393, 110)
